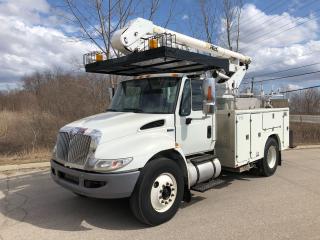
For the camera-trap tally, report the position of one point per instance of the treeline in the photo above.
(305, 102)
(30, 117)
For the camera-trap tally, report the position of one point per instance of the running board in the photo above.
(202, 187)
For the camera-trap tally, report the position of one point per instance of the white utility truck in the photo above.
(171, 127)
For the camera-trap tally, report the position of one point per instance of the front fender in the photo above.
(141, 147)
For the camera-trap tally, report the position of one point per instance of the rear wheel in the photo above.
(158, 192)
(269, 163)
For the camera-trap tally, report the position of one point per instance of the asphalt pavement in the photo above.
(284, 206)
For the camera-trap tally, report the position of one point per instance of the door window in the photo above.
(197, 95)
(185, 106)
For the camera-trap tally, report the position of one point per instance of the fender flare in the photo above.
(177, 155)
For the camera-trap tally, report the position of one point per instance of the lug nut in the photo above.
(171, 184)
(162, 201)
(167, 184)
(170, 200)
(160, 197)
(172, 189)
(166, 202)
(172, 195)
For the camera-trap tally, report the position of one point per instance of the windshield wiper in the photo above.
(135, 110)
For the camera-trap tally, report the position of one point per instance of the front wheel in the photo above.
(270, 161)
(158, 192)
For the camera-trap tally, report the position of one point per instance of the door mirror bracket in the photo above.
(188, 121)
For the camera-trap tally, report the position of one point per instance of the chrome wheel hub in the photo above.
(272, 156)
(163, 192)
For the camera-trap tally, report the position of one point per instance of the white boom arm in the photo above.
(129, 39)
(133, 36)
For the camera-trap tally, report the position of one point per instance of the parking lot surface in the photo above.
(284, 206)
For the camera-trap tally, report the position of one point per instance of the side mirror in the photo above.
(209, 95)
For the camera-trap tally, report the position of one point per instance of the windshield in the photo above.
(155, 95)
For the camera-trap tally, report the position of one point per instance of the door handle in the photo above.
(188, 121)
(209, 130)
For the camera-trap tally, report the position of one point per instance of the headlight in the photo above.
(104, 165)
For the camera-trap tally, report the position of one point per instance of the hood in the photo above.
(114, 125)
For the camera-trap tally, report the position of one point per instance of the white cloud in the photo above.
(293, 86)
(271, 50)
(27, 45)
(185, 17)
(258, 26)
(29, 11)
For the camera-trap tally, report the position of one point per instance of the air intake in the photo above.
(154, 124)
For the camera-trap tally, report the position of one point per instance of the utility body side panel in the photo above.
(242, 134)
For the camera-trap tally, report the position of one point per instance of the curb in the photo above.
(15, 167)
(307, 146)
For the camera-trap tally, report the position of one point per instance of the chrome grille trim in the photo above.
(79, 149)
(73, 148)
(63, 146)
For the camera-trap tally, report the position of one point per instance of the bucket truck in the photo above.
(172, 126)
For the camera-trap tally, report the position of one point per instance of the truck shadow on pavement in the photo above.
(35, 199)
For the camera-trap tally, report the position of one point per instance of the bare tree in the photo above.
(209, 16)
(232, 15)
(99, 19)
(203, 22)
(215, 14)
(305, 102)
(154, 6)
(238, 15)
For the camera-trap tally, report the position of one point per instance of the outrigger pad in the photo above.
(158, 60)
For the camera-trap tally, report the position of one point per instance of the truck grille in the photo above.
(73, 148)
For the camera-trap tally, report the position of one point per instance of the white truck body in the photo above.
(238, 137)
(243, 134)
(166, 134)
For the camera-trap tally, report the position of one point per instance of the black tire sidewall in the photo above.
(266, 170)
(148, 176)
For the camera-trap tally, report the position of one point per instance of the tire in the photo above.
(158, 192)
(79, 195)
(270, 161)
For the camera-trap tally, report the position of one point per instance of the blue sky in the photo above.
(33, 36)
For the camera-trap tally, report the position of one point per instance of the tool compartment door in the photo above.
(242, 138)
(272, 120)
(257, 141)
(285, 130)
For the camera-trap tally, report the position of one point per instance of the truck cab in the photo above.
(150, 117)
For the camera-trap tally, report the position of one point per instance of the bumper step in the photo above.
(202, 187)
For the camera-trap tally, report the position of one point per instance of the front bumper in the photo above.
(97, 185)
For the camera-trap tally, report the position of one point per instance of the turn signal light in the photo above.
(153, 43)
(99, 57)
(209, 93)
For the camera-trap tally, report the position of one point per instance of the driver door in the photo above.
(194, 129)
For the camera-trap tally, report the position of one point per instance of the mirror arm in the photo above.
(188, 121)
